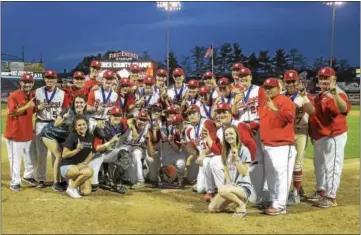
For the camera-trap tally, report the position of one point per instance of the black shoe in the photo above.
(30, 181)
(64, 184)
(41, 184)
(302, 192)
(95, 187)
(58, 187)
(15, 188)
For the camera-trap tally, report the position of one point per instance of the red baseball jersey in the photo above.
(71, 93)
(19, 128)
(88, 85)
(277, 127)
(327, 120)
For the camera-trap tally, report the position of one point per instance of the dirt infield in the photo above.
(43, 211)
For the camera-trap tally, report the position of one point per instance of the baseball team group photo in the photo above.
(223, 138)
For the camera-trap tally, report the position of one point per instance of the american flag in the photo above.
(209, 52)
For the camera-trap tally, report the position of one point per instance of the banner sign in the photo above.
(16, 66)
(122, 65)
(34, 67)
(123, 56)
(18, 74)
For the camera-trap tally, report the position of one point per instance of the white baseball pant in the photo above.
(204, 185)
(135, 169)
(15, 151)
(279, 163)
(98, 160)
(329, 153)
(215, 175)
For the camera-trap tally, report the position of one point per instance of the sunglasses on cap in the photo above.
(208, 78)
(79, 78)
(50, 77)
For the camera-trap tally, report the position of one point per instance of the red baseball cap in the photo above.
(178, 72)
(125, 82)
(223, 82)
(108, 74)
(177, 119)
(193, 83)
(237, 66)
(290, 75)
(244, 72)
(271, 82)
(149, 80)
(143, 115)
(172, 109)
(193, 108)
(134, 68)
(79, 74)
(161, 72)
(50, 74)
(327, 72)
(223, 106)
(204, 90)
(209, 74)
(95, 64)
(27, 77)
(115, 111)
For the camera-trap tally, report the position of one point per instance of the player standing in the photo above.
(178, 91)
(328, 129)
(19, 132)
(92, 83)
(50, 102)
(277, 115)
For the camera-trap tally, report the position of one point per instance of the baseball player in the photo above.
(277, 115)
(202, 135)
(136, 80)
(235, 163)
(160, 85)
(93, 81)
(149, 97)
(209, 79)
(304, 107)
(235, 73)
(100, 101)
(140, 149)
(19, 132)
(178, 91)
(328, 130)
(127, 99)
(191, 96)
(225, 93)
(77, 88)
(50, 102)
(206, 105)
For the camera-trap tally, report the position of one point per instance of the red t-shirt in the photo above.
(19, 128)
(72, 93)
(327, 120)
(277, 128)
(88, 85)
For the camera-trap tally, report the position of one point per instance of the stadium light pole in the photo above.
(169, 7)
(333, 4)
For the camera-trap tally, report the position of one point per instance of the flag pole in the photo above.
(212, 56)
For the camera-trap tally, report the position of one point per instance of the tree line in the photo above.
(263, 63)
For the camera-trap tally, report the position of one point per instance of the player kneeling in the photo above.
(77, 154)
(238, 188)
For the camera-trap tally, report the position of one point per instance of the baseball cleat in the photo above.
(72, 192)
(208, 197)
(41, 184)
(15, 188)
(30, 181)
(58, 187)
(315, 196)
(326, 202)
(274, 211)
(293, 200)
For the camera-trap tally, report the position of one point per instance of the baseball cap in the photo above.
(193, 108)
(157, 106)
(161, 72)
(209, 74)
(178, 72)
(149, 80)
(327, 72)
(143, 115)
(290, 75)
(177, 119)
(193, 83)
(134, 68)
(27, 77)
(95, 64)
(270, 82)
(107, 74)
(204, 90)
(244, 72)
(223, 106)
(172, 109)
(237, 66)
(115, 111)
(223, 82)
(79, 74)
(125, 82)
(50, 74)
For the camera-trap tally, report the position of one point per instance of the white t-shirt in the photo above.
(245, 157)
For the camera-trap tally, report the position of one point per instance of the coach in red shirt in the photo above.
(328, 129)
(19, 132)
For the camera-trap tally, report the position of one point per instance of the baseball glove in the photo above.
(168, 173)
